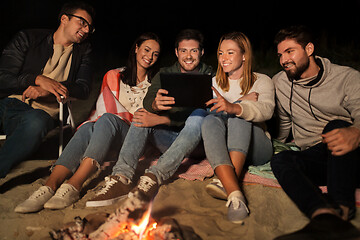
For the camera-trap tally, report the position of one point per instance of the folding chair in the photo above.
(69, 121)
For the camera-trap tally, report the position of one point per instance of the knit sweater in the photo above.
(259, 111)
(336, 95)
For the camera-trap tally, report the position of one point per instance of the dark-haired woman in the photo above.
(122, 93)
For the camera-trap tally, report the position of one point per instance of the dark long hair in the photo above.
(130, 73)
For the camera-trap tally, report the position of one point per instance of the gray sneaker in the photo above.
(66, 195)
(36, 201)
(237, 210)
(113, 191)
(216, 189)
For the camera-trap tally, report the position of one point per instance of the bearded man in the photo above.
(320, 102)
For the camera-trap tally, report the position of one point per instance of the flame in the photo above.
(142, 228)
(144, 221)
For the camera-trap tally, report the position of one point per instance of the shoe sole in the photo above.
(104, 202)
(56, 206)
(215, 192)
(238, 222)
(22, 210)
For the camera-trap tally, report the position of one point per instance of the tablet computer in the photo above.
(188, 89)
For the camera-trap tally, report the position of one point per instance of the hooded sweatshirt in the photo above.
(307, 105)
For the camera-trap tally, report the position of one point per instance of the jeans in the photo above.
(300, 174)
(97, 140)
(25, 128)
(225, 133)
(174, 146)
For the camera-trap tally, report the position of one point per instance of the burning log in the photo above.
(128, 222)
(118, 220)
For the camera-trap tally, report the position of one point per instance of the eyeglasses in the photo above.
(83, 22)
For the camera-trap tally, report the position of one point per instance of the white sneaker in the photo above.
(36, 201)
(216, 189)
(237, 209)
(66, 195)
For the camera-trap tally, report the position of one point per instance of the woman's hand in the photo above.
(221, 104)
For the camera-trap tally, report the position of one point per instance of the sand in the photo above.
(272, 213)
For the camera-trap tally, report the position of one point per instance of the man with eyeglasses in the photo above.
(38, 68)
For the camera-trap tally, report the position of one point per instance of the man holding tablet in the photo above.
(176, 136)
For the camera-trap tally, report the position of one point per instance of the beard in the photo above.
(299, 69)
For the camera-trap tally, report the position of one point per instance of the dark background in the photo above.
(118, 23)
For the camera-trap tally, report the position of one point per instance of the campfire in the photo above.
(131, 221)
(144, 229)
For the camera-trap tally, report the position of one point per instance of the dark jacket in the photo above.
(177, 115)
(26, 55)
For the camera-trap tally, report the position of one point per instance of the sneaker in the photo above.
(36, 201)
(113, 191)
(216, 189)
(325, 226)
(147, 186)
(66, 195)
(237, 210)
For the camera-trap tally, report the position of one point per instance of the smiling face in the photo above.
(294, 58)
(147, 54)
(231, 59)
(74, 30)
(189, 55)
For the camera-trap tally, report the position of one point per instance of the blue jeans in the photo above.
(225, 133)
(174, 145)
(97, 140)
(300, 174)
(25, 128)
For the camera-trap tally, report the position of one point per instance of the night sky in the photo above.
(118, 23)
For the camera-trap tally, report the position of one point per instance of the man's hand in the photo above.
(161, 102)
(143, 118)
(342, 140)
(221, 104)
(34, 92)
(53, 87)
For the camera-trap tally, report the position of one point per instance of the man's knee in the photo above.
(335, 124)
(37, 120)
(281, 161)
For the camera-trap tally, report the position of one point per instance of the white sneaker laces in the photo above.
(109, 182)
(217, 182)
(38, 193)
(146, 183)
(236, 201)
(62, 191)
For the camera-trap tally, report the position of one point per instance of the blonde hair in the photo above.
(248, 76)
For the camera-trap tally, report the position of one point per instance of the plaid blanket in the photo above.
(108, 100)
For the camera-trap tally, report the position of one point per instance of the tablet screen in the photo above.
(188, 89)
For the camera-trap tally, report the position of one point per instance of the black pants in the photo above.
(300, 174)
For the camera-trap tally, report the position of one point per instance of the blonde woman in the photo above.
(235, 132)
